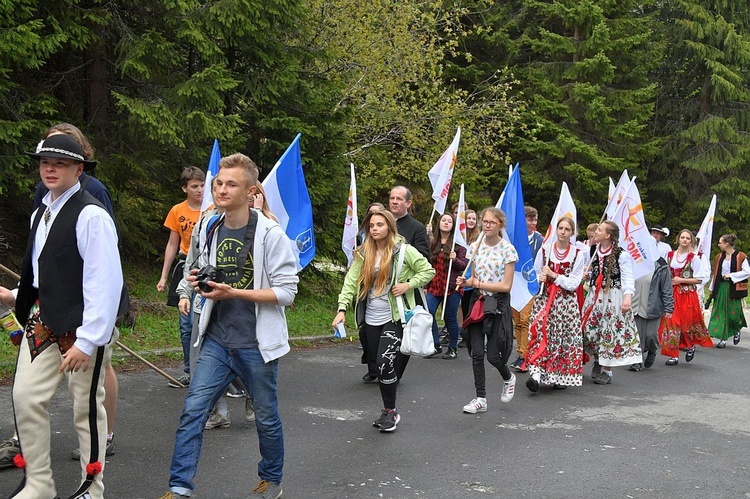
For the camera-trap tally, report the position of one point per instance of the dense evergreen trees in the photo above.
(574, 90)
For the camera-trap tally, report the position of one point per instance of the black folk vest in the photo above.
(60, 291)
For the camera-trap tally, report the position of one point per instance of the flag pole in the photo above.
(471, 260)
(448, 280)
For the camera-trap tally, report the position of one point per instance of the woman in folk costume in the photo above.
(728, 289)
(555, 340)
(609, 331)
(685, 329)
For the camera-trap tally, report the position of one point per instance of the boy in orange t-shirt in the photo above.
(180, 221)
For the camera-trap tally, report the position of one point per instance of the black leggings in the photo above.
(496, 355)
(385, 342)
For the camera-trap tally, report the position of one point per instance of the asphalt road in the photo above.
(679, 431)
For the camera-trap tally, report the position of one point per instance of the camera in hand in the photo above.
(208, 273)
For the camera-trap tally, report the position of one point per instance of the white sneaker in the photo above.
(509, 388)
(476, 405)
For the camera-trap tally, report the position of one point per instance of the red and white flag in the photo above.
(635, 238)
(442, 172)
(351, 222)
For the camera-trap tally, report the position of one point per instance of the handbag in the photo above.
(417, 322)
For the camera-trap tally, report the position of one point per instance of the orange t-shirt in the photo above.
(182, 219)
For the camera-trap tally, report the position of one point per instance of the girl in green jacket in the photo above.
(371, 284)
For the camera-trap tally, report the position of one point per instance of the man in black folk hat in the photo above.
(70, 293)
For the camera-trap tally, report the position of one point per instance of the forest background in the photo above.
(573, 90)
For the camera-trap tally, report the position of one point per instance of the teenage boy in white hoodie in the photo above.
(242, 324)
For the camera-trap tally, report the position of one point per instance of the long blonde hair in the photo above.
(369, 250)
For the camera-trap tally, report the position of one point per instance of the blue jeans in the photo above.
(186, 328)
(214, 370)
(451, 317)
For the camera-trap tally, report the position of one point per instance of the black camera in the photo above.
(208, 273)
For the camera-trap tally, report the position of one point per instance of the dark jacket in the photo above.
(660, 294)
(414, 233)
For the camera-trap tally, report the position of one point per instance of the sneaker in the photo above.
(450, 354)
(75, 455)
(517, 363)
(390, 422)
(736, 338)
(445, 340)
(216, 420)
(603, 379)
(184, 379)
(249, 411)
(673, 361)
(636, 367)
(509, 388)
(173, 495)
(461, 344)
(476, 405)
(8, 450)
(523, 368)
(532, 384)
(650, 359)
(438, 349)
(690, 354)
(266, 490)
(235, 393)
(381, 419)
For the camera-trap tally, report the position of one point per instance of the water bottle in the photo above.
(10, 324)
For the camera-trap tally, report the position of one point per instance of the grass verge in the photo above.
(156, 327)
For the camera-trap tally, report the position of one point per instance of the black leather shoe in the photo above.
(672, 362)
(690, 354)
(368, 378)
(736, 338)
(650, 359)
(532, 384)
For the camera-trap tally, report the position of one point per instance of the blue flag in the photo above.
(288, 199)
(211, 172)
(525, 283)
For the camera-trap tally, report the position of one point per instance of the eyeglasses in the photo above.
(489, 223)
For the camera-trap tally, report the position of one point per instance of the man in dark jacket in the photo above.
(408, 226)
(653, 299)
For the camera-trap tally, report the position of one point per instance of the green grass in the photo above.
(156, 325)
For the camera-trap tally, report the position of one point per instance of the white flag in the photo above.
(565, 208)
(617, 195)
(351, 221)
(635, 238)
(459, 230)
(706, 232)
(611, 191)
(441, 174)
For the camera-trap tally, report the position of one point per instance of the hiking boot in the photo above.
(249, 410)
(509, 388)
(216, 420)
(184, 379)
(390, 422)
(173, 495)
(636, 367)
(8, 450)
(476, 405)
(650, 359)
(450, 354)
(266, 490)
(381, 419)
(75, 455)
(596, 371)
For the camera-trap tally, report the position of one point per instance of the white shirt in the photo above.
(102, 272)
(700, 271)
(576, 258)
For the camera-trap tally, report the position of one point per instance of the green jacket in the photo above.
(417, 271)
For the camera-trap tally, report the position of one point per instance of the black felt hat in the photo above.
(61, 146)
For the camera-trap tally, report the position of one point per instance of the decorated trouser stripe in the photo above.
(34, 386)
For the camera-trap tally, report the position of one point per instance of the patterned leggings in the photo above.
(389, 343)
